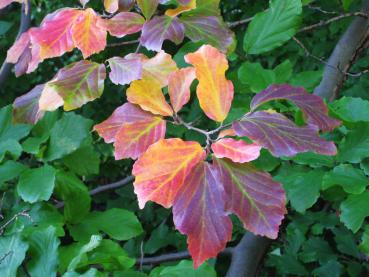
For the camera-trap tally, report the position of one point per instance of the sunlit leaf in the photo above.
(214, 91)
(161, 170)
(281, 136)
(124, 71)
(199, 212)
(179, 87)
(253, 196)
(122, 24)
(148, 7)
(238, 151)
(183, 7)
(311, 105)
(148, 95)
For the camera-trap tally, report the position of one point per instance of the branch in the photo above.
(123, 43)
(174, 257)
(347, 50)
(13, 218)
(104, 188)
(25, 23)
(247, 255)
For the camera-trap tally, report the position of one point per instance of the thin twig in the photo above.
(319, 9)
(5, 256)
(123, 43)
(15, 217)
(240, 22)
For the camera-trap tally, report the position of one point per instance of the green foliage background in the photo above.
(326, 232)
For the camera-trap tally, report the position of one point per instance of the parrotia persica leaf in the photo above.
(253, 196)
(122, 24)
(148, 7)
(312, 106)
(183, 7)
(79, 83)
(160, 28)
(148, 95)
(199, 212)
(281, 136)
(238, 151)
(132, 130)
(179, 83)
(214, 91)
(162, 169)
(124, 71)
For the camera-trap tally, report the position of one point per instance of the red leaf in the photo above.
(199, 212)
(238, 151)
(281, 136)
(311, 105)
(179, 87)
(253, 196)
(122, 24)
(161, 170)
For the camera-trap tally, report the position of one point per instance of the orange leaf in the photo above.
(161, 170)
(87, 35)
(148, 95)
(175, 12)
(214, 91)
(238, 151)
(179, 87)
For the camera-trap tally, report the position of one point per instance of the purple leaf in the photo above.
(160, 28)
(124, 71)
(312, 106)
(281, 136)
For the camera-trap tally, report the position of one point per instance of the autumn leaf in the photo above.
(281, 136)
(125, 70)
(148, 7)
(253, 196)
(238, 151)
(199, 212)
(148, 95)
(311, 105)
(162, 169)
(183, 7)
(179, 87)
(214, 91)
(122, 24)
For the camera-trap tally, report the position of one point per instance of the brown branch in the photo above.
(240, 22)
(24, 26)
(123, 43)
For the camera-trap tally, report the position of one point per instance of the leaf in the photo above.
(8, 130)
(122, 24)
(311, 105)
(179, 86)
(238, 151)
(331, 268)
(148, 7)
(183, 7)
(351, 109)
(67, 136)
(148, 95)
(79, 83)
(301, 185)
(4, 3)
(119, 224)
(273, 27)
(281, 136)
(198, 212)
(43, 251)
(205, 8)
(352, 180)
(11, 147)
(184, 269)
(253, 196)
(159, 29)
(124, 70)
(354, 147)
(210, 30)
(214, 91)
(111, 6)
(161, 170)
(12, 252)
(74, 193)
(87, 35)
(354, 210)
(133, 139)
(364, 245)
(76, 161)
(36, 184)
(10, 170)
(158, 68)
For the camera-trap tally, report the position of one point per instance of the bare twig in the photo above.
(123, 43)
(240, 22)
(319, 9)
(24, 26)
(13, 218)
(5, 256)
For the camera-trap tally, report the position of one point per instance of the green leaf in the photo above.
(307, 79)
(354, 210)
(75, 195)
(11, 147)
(9, 130)
(364, 245)
(43, 252)
(12, 253)
(316, 249)
(351, 179)
(330, 269)
(119, 224)
(36, 184)
(92, 272)
(354, 148)
(160, 237)
(184, 269)
(10, 170)
(273, 27)
(5, 26)
(302, 187)
(313, 159)
(346, 242)
(67, 135)
(351, 109)
(77, 161)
